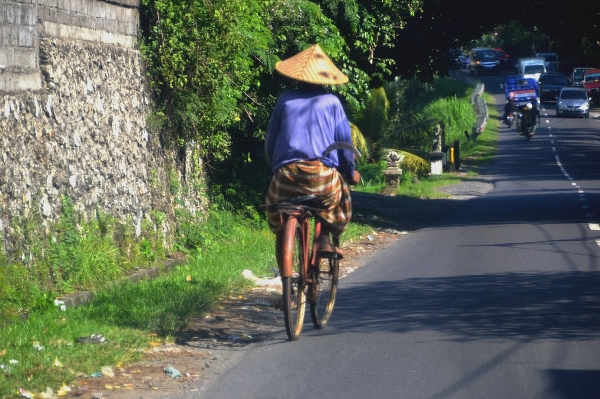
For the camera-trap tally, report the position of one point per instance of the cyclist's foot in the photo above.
(326, 249)
(329, 251)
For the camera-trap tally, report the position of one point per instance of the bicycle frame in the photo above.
(303, 279)
(292, 219)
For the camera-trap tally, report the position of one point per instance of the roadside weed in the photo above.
(132, 315)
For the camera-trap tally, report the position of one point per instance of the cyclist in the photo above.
(304, 123)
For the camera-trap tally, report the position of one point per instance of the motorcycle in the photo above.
(509, 120)
(527, 120)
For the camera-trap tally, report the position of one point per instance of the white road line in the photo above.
(580, 193)
(561, 167)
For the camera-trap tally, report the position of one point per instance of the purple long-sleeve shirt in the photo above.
(303, 124)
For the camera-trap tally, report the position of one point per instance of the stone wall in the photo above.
(22, 22)
(79, 129)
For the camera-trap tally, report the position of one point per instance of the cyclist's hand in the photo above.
(355, 178)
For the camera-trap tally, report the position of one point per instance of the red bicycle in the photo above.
(304, 275)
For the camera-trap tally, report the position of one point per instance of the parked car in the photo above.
(573, 101)
(551, 84)
(483, 61)
(591, 84)
(577, 75)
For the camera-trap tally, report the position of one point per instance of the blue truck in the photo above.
(522, 90)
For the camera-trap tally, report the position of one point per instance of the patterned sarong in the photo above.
(312, 177)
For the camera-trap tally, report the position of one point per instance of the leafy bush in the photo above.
(372, 172)
(456, 113)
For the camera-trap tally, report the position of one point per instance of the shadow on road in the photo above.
(573, 383)
(514, 306)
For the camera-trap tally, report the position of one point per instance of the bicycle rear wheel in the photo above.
(294, 299)
(322, 307)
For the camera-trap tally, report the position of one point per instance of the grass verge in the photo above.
(480, 152)
(43, 351)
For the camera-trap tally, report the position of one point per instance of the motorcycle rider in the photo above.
(509, 108)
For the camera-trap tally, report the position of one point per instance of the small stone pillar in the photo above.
(437, 162)
(437, 156)
(392, 173)
(438, 137)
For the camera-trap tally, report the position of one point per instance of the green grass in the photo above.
(482, 150)
(427, 187)
(133, 315)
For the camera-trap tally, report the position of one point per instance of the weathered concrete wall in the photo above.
(81, 131)
(23, 21)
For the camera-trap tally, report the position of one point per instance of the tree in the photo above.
(202, 57)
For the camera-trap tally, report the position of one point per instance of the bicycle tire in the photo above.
(294, 300)
(322, 307)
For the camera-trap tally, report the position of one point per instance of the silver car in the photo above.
(573, 101)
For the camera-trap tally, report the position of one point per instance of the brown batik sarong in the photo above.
(312, 177)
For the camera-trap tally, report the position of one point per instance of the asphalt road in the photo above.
(500, 299)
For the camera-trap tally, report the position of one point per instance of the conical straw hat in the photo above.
(312, 66)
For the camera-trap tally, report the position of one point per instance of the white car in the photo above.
(573, 101)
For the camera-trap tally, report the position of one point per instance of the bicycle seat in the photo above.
(293, 203)
(298, 200)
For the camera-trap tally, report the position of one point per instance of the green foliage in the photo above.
(75, 255)
(62, 251)
(372, 172)
(211, 68)
(420, 105)
(203, 59)
(44, 303)
(456, 113)
(370, 28)
(513, 37)
(370, 123)
(406, 122)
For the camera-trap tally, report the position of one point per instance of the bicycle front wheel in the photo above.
(326, 289)
(294, 299)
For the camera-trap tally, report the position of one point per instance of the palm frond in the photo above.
(376, 121)
(359, 141)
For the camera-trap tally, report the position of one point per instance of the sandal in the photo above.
(330, 252)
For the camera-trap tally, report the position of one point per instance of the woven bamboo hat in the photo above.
(313, 66)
